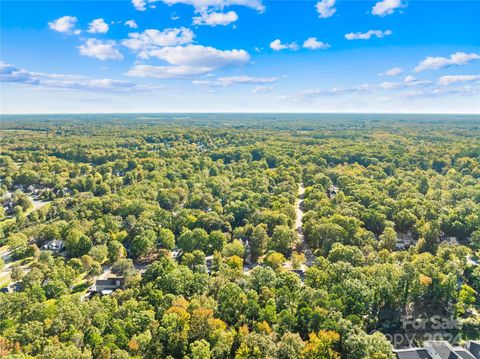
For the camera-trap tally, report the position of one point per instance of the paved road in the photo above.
(5, 255)
(303, 246)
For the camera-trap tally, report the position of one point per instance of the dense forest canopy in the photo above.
(198, 215)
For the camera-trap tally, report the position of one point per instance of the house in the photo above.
(10, 288)
(176, 254)
(332, 192)
(300, 273)
(405, 241)
(9, 206)
(88, 295)
(463, 353)
(38, 191)
(55, 246)
(63, 192)
(474, 347)
(412, 353)
(107, 286)
(248, 249)
(209, 263)
(438, 350)
(450, 240)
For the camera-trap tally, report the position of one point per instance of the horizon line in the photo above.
(239, 112)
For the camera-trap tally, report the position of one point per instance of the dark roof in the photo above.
(109, 281)
(474, 347)
(413, 353)
(443, 349)
(463, 353)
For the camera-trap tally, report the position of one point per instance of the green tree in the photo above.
(259, 241)
(167, 238)
(216, 242)
(388, 239)
(18, 244)
(16, 273)
(290, 346)
(77, 243)
(234, 248)
(283, 239)
(200, 349)
(143, 244)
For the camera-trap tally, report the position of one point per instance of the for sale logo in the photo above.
(417, 330)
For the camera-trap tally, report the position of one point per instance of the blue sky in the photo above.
(240, 56)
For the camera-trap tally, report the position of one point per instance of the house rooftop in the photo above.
(463, 353)
(412, 353)
(443, 349)
(474, 347)
(440, 350)
(110, 281)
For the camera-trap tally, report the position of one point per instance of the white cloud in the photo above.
(215, 18)
(235, 80)
(387, 85)
(203, 5)
(387, 7)
(261, 89)
(313, 44)
(140, 5)
(394, 71)
(201, 56)
(409, 82)
(98, 26)
(277, 45)
(151, 38)
(456, 59)
(410, 78)
(12, 74)
(326, 8)
(131, 24)
(367, 35)
(102, 50)
(189, 60)
(455, 79)
(65, 24)
(165, 72)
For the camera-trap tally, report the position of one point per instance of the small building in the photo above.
(107, 286)
(332, 192)
(54, 246)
